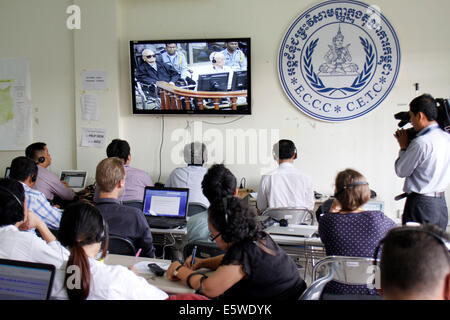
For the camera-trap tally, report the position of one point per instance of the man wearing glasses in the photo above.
(152, 70)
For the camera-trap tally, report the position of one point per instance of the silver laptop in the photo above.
(76, 179)
(165, 208)
(20, 280)
(293, 230)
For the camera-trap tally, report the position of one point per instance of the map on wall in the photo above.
(339, 60)
(15, 104)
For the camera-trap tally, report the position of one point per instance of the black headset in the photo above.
(440, 239)
(354, 184)
(12, 194)
(40, 160)
(214, 58)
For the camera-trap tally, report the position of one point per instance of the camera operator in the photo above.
(424, 162)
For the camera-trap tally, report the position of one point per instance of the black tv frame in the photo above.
(240, 111)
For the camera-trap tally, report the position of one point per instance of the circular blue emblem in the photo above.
(339, 60)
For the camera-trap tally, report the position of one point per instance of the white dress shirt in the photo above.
(111, 282)
(284, 187)
(190, 177)
(27, 246)
(425, 163)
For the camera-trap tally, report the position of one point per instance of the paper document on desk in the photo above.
(142, 267)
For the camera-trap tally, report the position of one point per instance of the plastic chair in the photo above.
(292, 215)
(121, 245)
(205, 249)
(195, 207)
(345, 270)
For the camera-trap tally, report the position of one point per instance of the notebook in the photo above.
(76, 179)
(20, 280)
(165, 208)
(293, 230)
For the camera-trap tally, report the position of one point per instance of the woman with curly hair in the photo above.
(253, 266)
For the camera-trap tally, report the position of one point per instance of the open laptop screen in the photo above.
(75, 179)
(166, 202)
(21, 280)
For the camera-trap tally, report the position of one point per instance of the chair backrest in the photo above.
(121, 245)
(292, 215)
(348, 270)
(195, 207)
(314, 291)
(205, 249)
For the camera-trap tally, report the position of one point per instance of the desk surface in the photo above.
(171, 287)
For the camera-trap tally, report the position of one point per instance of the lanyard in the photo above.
(429, 129)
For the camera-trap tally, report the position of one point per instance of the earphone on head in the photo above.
(444, 242)
(40, 160)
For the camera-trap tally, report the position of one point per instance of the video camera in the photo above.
(443, 119)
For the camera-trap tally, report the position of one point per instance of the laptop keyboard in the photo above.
(163, 223)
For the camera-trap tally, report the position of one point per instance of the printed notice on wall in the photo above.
(89, 107)
(94, 80)
(93, 138)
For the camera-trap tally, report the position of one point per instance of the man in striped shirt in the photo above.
(25, 171)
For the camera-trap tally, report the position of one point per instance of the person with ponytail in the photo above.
(253, 266)
(84, 231)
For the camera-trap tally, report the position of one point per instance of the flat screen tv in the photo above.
(196, 76)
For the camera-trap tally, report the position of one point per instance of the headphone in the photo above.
(440, 239)
(213, 60)
(40, 160)
(360, 183)
(12, 194)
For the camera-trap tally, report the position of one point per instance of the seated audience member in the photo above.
(195, 155)
(253, 267)
(348, 230)
(15, 219)
(124, 221)
(136, 179)
(218, 182)
(286, 186)
(415, 264)
(234, 57)
(152, 70)
(85, 233)
(47, 182)
(25, 171)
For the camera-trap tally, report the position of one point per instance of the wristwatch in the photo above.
(176, 270)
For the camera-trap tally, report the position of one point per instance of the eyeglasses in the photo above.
(213, 238)
(151, 56)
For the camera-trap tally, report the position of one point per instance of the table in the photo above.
(171, 287)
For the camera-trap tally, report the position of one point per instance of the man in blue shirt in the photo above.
(234, 57)
(25, 171)
(424, 162)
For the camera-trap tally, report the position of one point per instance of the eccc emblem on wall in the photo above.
(339, 60)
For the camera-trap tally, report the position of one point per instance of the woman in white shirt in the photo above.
(15, 220)
(84, 231)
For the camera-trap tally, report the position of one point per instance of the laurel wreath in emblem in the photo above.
(359, 81)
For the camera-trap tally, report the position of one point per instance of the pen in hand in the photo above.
(194, 252)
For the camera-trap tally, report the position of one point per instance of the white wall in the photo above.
(365, 144)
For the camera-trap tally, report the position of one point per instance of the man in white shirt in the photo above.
(15, 244)
(286, 186)
(424, 162)
(195, 155)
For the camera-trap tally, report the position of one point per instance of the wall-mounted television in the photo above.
(196, 76)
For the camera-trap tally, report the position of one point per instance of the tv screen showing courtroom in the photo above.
(199, 76)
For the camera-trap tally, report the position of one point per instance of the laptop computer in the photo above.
(76, 179)
(293, 230)
(8, 169)
(20, 280)
(165, 208)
